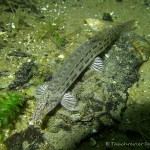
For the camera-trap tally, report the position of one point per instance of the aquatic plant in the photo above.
(9, 107)
(49, 28)
(60, 41)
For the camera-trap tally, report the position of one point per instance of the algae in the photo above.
(9, 103)
(10, 107)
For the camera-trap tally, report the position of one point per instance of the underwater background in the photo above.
(36, 37)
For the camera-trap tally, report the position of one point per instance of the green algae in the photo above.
(10, 107)
(10, 104)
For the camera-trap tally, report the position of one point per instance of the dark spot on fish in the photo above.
(74, 76)
(86, 61)
(72, 72)
(67, 84)
(80, 69)
(95, 46)
(100, 42)
(81, 59)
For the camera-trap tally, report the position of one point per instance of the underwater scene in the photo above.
(74, 74)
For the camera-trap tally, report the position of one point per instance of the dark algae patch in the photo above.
(27, 139)
(19, 53)
(24, 74)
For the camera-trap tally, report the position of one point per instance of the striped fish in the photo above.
(54, 92)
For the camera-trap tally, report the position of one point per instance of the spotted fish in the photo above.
(54, 92)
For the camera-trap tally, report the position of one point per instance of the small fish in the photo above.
(54, 92)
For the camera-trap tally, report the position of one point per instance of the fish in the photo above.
(49, 95)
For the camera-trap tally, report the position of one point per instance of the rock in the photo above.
(107, 17)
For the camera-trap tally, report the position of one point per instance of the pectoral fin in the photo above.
(97, 64)
(69, 102)
(40, 90)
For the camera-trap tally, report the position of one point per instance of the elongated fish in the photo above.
(54, 92)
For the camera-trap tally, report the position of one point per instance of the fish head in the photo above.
(44, 105)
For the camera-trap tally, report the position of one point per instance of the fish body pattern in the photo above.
(51, 94)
